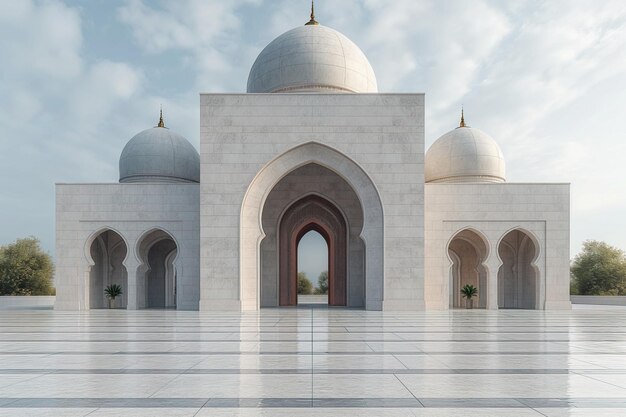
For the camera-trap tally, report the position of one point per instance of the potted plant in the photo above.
(469, 292)
(112, 292)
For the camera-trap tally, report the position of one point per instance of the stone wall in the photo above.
(605, 300)
(33, 302)
(374, 141)
(83, 211)
(492, 210)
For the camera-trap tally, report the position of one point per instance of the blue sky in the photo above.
(547, 79)
(312, 255)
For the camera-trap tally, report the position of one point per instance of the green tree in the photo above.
(25, 269)
(599, 269)
(322, 283)
(305, 287)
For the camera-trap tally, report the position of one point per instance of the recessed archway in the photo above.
(518, 277)
(253, 234)
(468, 252)
(108, 251)
(318, 214)
(156, 277)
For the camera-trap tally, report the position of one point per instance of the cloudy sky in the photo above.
(547, 79)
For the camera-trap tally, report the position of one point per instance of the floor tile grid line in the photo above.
(367, 343)
(403, 364)
(344, 342)
(293, 340)
(431, 357)
(92, 411)
(200, 409)
(538, 412)
(274, 403)
(407, 388)
(297, 353)
(324, 321)
(605, 382)
(25, 380)
(164, 385)
(495, 333)
(171, 380)
(592, 364)
(321, 371)
(398, 336)
(339, 338)
(340, 330)
(568, 344)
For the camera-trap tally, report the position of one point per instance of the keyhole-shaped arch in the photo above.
(313, 213)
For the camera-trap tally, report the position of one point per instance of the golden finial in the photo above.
(312, 21)
(462, 118)
(161, 122)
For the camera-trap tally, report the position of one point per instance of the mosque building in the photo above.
(312, 146)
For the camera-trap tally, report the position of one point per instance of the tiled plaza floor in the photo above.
(314, 362)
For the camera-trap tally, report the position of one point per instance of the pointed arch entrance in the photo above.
(518, 277)
(107, 252)
(156, 276)
(468, 251)
(318, 214)
(252, 232)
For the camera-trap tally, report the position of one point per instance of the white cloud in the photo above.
(41, 40)
(55, 112)
(209, 32)
(189, 24)
(546, 79)
(431, 46)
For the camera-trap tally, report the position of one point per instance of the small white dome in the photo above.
(312, 58)
(465, 154)
(159, 155)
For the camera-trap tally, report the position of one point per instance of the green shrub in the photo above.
(599, 269)
(305, 287)
(113, 291)
(322, 284)
(469, 291)
(25, 269)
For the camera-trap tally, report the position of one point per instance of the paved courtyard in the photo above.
(314, 362)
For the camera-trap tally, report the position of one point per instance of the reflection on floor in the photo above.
(314, 362)
(307, 300)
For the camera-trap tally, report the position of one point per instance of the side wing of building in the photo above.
(514, 240)
(103, 236)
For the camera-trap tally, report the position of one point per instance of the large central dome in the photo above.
(315, 59)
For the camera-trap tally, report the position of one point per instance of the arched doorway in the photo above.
(517, 277)
(156, 280)
(318, 214)
(312, 179)
(313, 269)
(468, 252)
(258, 269)
(108, 251)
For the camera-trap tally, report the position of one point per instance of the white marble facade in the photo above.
(419, 225)
(139, 213)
